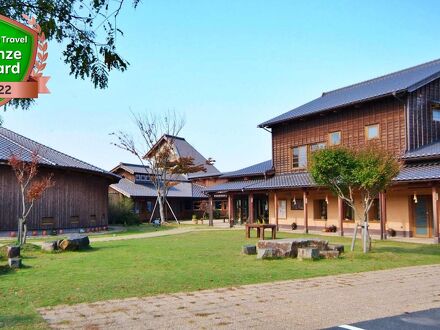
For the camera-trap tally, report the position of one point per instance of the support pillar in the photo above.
(275, 199)
(341, 216)
(435, 234)
(211, 211)
(306, 220)
(383, 215)
(229, 207)
(251, 208)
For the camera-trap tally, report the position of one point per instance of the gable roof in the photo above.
(253, 170)
(131, 168)
(406, 80)
(13, 143)
(182, 189)
(184, 149)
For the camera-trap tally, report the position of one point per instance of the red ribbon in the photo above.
(24, 89)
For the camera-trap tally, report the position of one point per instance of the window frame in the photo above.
(435, 108)
(330, 138)
(367, 136)
(300, 166)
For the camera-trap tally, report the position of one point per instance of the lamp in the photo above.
(326, 199)
(415, 198)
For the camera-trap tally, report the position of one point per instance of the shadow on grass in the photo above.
(16, 320)
(421, 250)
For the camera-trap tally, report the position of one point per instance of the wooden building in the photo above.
(185, 197)
(79, 198)
(398, 112)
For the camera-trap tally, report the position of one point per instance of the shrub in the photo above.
(121, 212)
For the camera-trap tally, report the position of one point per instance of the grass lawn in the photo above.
(186, 262)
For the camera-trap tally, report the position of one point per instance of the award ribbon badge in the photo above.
(23, 56)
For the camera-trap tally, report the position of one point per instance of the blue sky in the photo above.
(227, 66)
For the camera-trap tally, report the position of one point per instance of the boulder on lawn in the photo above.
(329, 254)
(267, 253)
(308, 253)
(13, 251)
(49, 246)
(249, 249)
(14, 262)
(338, 247)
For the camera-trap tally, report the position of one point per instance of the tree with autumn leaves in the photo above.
(154, 148)
(31, 185)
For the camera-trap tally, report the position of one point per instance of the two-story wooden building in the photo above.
(399, 112)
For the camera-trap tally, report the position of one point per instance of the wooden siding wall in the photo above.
(422, 129)
(388, 113)
(72, 202)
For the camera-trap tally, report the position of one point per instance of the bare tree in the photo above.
(31, 188)
(154, 147)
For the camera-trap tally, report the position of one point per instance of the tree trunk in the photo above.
(20, 231)
(24, 233)
(161, 209)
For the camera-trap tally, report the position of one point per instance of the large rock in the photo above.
(74, 243)
(330, 254)
(249, 249)
(13, 252)
(267, 253)
(308, 253)
(14, 262)
(49, 246)
(288, 247)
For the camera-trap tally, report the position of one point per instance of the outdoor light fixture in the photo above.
(294, 200)
(326, 199)
(415, 198)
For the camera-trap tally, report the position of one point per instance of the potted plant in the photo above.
(194, 219)
(391, 232)
(294, 226)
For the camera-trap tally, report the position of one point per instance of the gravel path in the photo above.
(297, 304)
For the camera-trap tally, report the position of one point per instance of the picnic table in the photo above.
(260, 229)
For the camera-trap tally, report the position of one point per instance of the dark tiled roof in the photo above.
(132, 168)
(184, 149)
(13, 143)
(131, 189)
(257, 169)
(294, 180)
(405, 80)
(416, 172)
(428, 151)
(231, 186)
(197, 191)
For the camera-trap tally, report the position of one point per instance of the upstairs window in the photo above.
(372, 132)
(317, 146)
(334, 138)
(299, 157)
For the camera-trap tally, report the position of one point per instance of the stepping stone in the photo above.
(249, 249)
(338, 247)
(330, 254)
(308, 253)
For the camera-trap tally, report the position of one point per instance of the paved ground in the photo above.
(299, 304)
(424, 320)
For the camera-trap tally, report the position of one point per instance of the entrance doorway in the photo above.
(422, 216)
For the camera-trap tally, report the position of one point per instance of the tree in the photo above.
(349, 173)
(31, 186)
(88, 28)
(155, 150)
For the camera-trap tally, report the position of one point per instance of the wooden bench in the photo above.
(260, 229)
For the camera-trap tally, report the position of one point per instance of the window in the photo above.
(436, 114)
(372, 131)
(218, 205)
(348, 213)
(317, 146)
(320, 209)
(149, 206)
(374, 211)
(297, 204)
(74, 220)
(334, 138)
(299, 157)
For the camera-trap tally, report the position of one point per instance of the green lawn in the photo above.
(186, 262)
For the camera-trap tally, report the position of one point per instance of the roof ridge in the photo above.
(366, 82)
(56, 151)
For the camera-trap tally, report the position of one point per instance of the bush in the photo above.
(121, 212)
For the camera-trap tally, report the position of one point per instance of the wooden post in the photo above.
(435, 215)
(275, 200)
(383, 215)
(341, 216)
(251, 208)
(229, 207)
(211, 211)
(306, 220)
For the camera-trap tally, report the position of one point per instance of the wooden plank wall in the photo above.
(422, 129)
(77, 200)
(388, 113)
